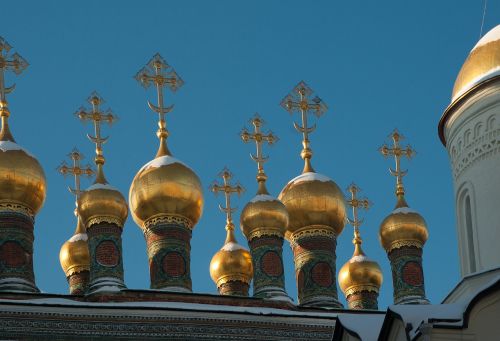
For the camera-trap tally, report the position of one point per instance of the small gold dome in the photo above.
(22, 180)
(231, 263)
(74, 255)
(403, 227)
(102, 200)
(482, 63)
(264, 215)
(165, 186)
(313, 199)
(360, 273)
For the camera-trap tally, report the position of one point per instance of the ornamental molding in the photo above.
(310, 231)
(167, 219)
(7, 206)
(265, 231)
(404, 243)
(104, 219)
(359, 289)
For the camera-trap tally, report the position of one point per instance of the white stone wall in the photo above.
(473, 142)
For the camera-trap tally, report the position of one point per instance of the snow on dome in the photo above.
(478, 79)
(263, 197)
(162, 161)
(9, 145)
(492, 35)
(231, 246)
(404, 210)
(310, 176)
(101, 186)
(359, 259)
(78, 236)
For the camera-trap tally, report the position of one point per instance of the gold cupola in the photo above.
(165, 186)
(403, 226)
(264, 214)
(231, 267)
(101, 201)
(22, 179)
(312, 199)
(360, 277)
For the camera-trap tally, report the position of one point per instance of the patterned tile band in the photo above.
(16, 251)
(407, 275)
(78, 282)
(169, 249)
(314, 257)
(363, 300)
(234, 288)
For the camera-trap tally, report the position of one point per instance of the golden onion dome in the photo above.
(264, 215)
(313, 199)
(22, 180)
(231, 263)
(403, 227)
(166, 185)
(74, 255)
(360, 273)
(483, 63)
(102, 200)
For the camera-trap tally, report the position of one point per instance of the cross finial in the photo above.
(297, 100)
(398, 152)
(16, 64)
(76, 170)
(97, 117)
(227, 189)
(356, 204)
(158, 72)
(259, 139)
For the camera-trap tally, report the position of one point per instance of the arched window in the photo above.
(469, 234)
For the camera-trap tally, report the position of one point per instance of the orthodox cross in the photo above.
(356, 204)
(157, 71)
(97, 117)
(259, 139)
(297, 100)
(398, 152)
(14, 63)
(227, 189)
(76, 170)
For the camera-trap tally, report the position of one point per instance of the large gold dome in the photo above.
(74, 255)
(313, 199)
(360, 274)
(102, 200)
(165, 186)
(231, 263)
(403, 227)
(264, 215)
(482, 63)
(22, 180)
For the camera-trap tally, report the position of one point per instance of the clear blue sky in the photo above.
(378, 65)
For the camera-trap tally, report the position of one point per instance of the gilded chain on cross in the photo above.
(228, 190)
(259, 138)
(159, 73)
(356, 204)
(98, 117)
(298, 101)
(76, 170)
(398, 152)
(8, 62)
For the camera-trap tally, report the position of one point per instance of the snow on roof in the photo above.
(9, 145)
(492, 35)
(367, 326)
(310, 176)
(78, 236)
(232, 247)
(404, 210)
(101, 186)
(476, 80)
(360, 258)
(162, 161)
(263, 197)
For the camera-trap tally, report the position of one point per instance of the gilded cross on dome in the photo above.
(356, 204)
(227, 189)
(259, 139)
(76, 170)
(159, 73)
(14, 63)
(398, 152)
(97, 117)
(298, 101)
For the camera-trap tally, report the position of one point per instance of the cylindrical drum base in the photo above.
(234, 288)
(78, 282)
(363, 300)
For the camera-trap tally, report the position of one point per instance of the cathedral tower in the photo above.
(165, 197)
(263, 222)
(470, 130)
(317, 214)
(22, 192)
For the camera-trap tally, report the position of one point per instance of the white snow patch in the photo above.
(310, 176)
(360, 258)
(107, 288)
(366, 326)
(263, 197)
(162, 161)
(232, 247)
(78, 236)
(404, 210)
(101, 186)
(9, 145)
(480, 78)
(492, 35)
